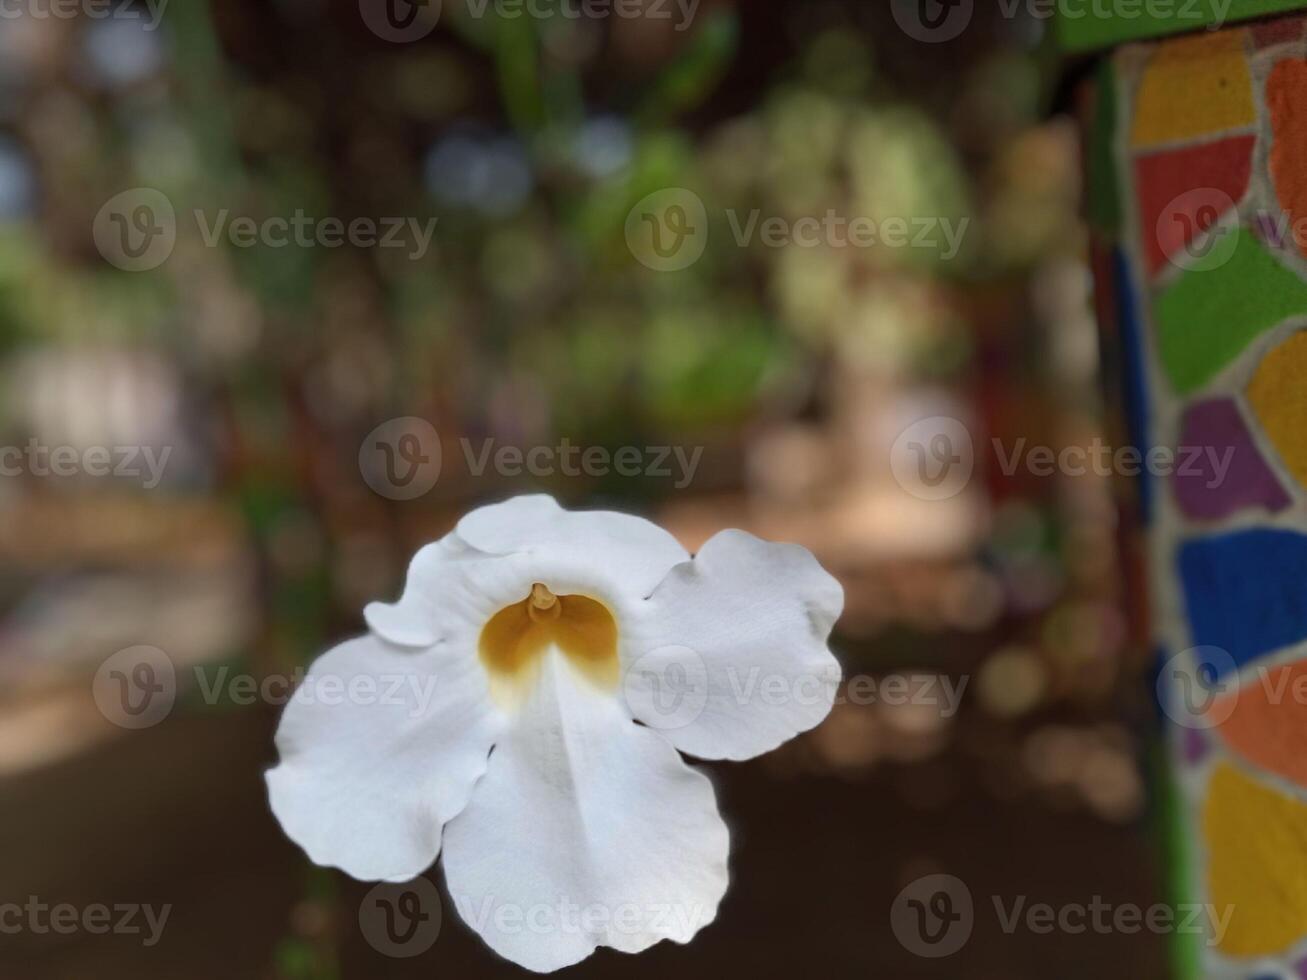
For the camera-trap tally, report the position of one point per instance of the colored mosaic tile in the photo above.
(1104, 192)
(1194, 86)
(1286, 94)
(1207, 317)
(1269, 33)
(1195, 746)
(1278, 396)
(1222, 470)
(1135, 374)
(1245, 592)
(1197, 116)
(1267, 721)
(1257, 847)
(1184, 192)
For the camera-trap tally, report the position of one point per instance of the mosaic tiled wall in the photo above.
(1199, 196)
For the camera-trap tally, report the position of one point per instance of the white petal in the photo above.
(419, 618)
(379, 747)
(503, 527)
(498, 551)
(633, 553)
(729, 659)
(586, 830)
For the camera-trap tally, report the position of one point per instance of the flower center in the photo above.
(514, 639)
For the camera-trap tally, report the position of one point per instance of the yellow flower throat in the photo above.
(514, 639)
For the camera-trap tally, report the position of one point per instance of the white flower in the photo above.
(526, 698)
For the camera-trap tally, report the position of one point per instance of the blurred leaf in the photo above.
(298, 959)
(517, 64)
(695, 72)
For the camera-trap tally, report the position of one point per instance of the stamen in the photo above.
(544, 604)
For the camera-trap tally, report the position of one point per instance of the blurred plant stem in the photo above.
(268, 486)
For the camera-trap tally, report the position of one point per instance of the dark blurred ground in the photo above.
(178, 815)
(815, 863)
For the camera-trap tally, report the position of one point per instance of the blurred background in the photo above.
(203, 417)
